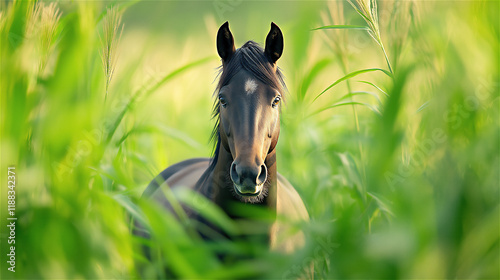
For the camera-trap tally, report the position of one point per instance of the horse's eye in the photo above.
(222, 101)
(276, 101)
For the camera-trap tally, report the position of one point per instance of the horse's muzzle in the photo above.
(248, 180)
(248, 190)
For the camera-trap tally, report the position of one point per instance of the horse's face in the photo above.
(249, 127)
(249, 117)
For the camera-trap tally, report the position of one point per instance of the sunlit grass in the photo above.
(369, 11)
(393, 150)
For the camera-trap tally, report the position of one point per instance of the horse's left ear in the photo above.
(274, 43)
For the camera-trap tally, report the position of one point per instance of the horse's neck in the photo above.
(222, 186)
(272, 196)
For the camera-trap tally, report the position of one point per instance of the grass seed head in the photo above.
(48, 20)
(111, 34)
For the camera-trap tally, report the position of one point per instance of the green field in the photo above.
(389, 132)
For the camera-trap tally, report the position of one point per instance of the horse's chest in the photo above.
(284, 237)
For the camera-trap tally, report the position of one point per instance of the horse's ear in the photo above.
(225, 42)
(274, 43)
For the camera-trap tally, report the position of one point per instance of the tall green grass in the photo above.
(390, 134)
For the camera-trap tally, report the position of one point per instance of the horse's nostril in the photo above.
(234, 174)
(262, 175)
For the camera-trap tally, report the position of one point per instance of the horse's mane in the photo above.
(249, 57)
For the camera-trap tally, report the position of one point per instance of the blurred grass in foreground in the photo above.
(391, 139)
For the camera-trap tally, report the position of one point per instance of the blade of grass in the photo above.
(121, 5)
(370, 15)
(375, 86)
(132, 208)
(340, 48)
(422, 107)
(381, 204)
(354, 93)
(367, 19)
(152, 89)
(359, 27)
(177, 72)
(353, 174)
(165, 130)
(207, 209)
(312, 74)
(173, 241)
(350, 75)
(371, 107)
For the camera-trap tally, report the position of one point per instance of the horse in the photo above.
(242, 170)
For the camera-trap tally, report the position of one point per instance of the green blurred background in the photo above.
(397, 162)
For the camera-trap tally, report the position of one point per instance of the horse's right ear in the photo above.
(225, 42)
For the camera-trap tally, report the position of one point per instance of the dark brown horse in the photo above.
(243, 167)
